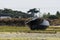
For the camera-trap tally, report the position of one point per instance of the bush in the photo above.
(52, 17)
(13, 21)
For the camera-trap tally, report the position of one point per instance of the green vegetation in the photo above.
(13, 29)
(17, 14)
(49, 16)
(27, 29)
(12, 13)
(37, 38)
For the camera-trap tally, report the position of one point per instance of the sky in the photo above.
(45, 6)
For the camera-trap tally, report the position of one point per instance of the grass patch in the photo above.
(27, 29)
(13, 29)
(37, 38)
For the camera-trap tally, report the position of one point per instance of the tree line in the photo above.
(17, 14)
(49, 16)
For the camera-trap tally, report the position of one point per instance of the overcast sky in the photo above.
(23, 5)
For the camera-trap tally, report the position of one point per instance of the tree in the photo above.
(58, 14)
(7, 10)
(44, 15)
(48, 14)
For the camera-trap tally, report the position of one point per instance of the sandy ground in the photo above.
(31, 35)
